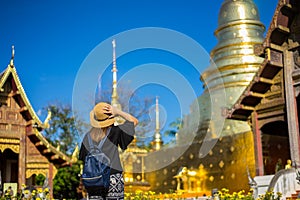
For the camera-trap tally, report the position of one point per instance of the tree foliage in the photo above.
(66, 182)
(39, 179)
(62, 131)
(174, 128)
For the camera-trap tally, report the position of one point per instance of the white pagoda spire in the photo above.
(157, 129)
(114, 95)
(157, 143)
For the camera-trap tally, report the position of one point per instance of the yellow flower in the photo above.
(225, 190)
(138, 191)
(279, 194)
(127, 194)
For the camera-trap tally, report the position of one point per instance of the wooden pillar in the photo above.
(259, 164)
(291, 107)
(50, 180)
(22, 160)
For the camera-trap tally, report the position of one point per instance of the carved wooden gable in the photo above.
(265, 92)
(20, 125)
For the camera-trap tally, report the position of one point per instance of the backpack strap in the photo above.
(103, 140)
(90, 141)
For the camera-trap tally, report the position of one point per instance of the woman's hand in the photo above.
(110, 110)
(113, 112)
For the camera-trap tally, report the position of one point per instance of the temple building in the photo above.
(271, 103)
(24, 152)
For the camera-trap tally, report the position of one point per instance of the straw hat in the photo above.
(98, 118)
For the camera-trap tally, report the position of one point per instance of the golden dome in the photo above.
(239, 29)
(233, 65)
(236, 10)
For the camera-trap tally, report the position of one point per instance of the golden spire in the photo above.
(157, 143)
(12, 56)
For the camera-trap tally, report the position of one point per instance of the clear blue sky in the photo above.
(52, 38)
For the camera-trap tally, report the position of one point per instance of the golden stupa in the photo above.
(221, 148)
(233, 65)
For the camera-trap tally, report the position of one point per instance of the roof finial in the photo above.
(12, 55)
(48, 118)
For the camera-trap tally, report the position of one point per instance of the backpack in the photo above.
(96, 169)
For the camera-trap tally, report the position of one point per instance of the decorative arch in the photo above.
(31, 172)
(8, 143)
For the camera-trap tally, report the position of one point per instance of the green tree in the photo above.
(174, 128)
(39, 179)
(63, 131)
(66, 182)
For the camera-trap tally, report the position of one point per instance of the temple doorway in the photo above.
(298, 110)
(275, 146)
(9, 166)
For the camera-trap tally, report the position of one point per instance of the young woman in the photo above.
(102, 119)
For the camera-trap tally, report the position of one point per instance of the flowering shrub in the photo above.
(225, 195)
(150, 195)
(270, 196)
(26, 194)
(43, 194)
(221, 195)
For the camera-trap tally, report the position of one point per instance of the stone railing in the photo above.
(262, 184)
(284, 181)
